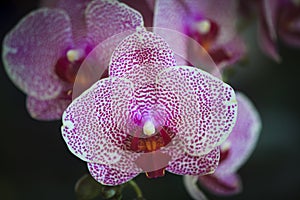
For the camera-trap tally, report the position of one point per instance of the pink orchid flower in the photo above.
(43, 52)
(149, 115)
(279, 19)
(234, 153)
(210, 23)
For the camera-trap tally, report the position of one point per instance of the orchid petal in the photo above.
(26, 52)
(46, 109)
(109, 176)
(105, 18)
(140, 57)
(270, 13)
(267, 44)
(243, 137)
(266, 30)
(207, 105)
(222, 184)
(76, 11)
(190, 183)
(92, 123)
(195, 165)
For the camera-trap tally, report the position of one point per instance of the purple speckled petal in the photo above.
(46, 109)
(92, 123)
(242, 140)
(222, 185)
(108, 176)
(32, 48)
(195, 165)
(106, 18)
(140, 57)
(207, 105)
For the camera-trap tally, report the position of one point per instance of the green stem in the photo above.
(136, 188)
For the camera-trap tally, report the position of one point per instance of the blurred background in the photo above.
(36, 164)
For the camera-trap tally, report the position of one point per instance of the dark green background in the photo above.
(35, 162)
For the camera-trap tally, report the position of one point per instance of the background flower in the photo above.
(279, 19)
(43, 52)
(211, 23)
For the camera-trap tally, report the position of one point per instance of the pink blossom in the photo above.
(149, 115)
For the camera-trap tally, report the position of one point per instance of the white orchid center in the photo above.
(149, 128)
(203, 26)
(74, 55)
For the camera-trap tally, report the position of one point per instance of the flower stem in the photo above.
(136, 188)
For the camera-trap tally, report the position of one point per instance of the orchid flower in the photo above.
(149, 115)
(279, 19)
(234, 153)
(43, 52)
(210, 23)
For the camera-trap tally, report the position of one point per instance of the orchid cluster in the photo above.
(152, 107)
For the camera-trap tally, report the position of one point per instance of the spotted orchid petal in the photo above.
(105, 18)
(195, 165)
(243, 138)
(91, 123)
(222, 184)
(109, 176)
(26, 55)
(208, 105)
(140, 57)
(46, 109)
